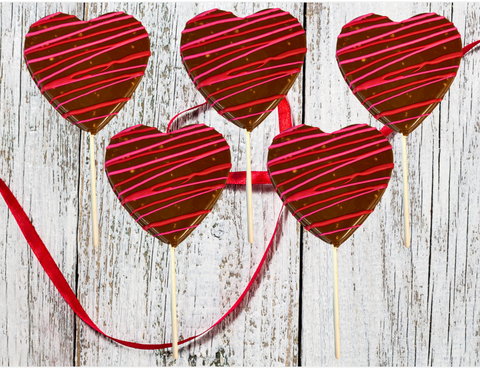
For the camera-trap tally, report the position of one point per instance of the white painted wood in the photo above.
(399, 306)
(39, 161)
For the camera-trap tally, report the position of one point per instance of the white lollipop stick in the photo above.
(406, 211)
(93, 193)
(249, 189)
(336, 313)
(174, 304)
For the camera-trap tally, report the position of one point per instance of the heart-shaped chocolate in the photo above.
(243, 67)
(330, 182)
(399, 71)
(87, 70)
(168, 182)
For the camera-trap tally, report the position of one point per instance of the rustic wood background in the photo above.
(398, 306)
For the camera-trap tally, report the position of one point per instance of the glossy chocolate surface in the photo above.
(399, 71)
(168, 182)
(330, 182)
(87, 70)
(243, 67)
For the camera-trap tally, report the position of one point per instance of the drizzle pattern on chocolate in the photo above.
(168, 182)
(330, 182)
(243, 67)
(399, 71)
(87, 70)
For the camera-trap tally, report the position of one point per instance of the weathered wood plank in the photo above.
(399, 306)
(124, 283)
(39, 161)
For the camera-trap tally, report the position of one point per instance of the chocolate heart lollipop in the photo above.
(87, 70)
(399, 71)
(243, 67)
(331, 182)
(168, 183)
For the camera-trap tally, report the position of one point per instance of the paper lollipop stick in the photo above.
(94, 190)
(400, 71)
(168, 183)
(244, 67)
(87, 70)
(248, 188)
(331, 183)
(174, 303)
(336, 309)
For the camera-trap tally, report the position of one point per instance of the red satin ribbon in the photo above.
(470, 46)
(52, 270)
(258, 177)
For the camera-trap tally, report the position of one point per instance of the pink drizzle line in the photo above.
(346, 61)
(180, 200)
(334, 204)
(200, 40)
(415, 117)
(40, 21)
(116, 46)
(196, 158)
(178, 134)
(174, 231)
(278, 40)
(435, 44)
(132, 198)
(99, 117)
(343, 153)
(241, 42)
(218, 80)
(409, 90)
(247, 116)
(390, 33)
(76, 32)
(97, 89)
(85, 45)
(297, 198)
(342, 136)
(337, 231)
(249, 87)
(165, 158)
(354, 159)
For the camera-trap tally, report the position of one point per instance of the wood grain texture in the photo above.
(417, 306)
(399, 306)
(126, 278)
